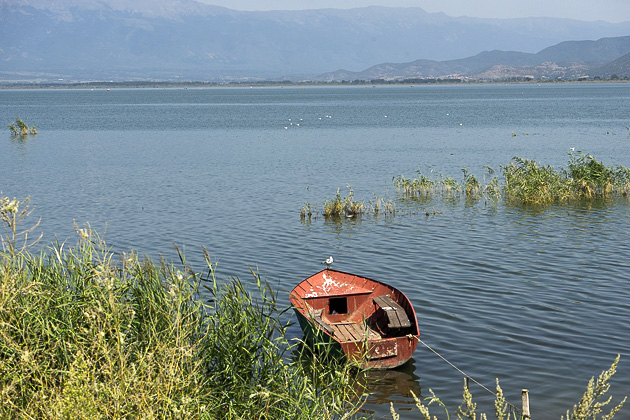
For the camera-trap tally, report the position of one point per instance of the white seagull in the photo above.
(328, 262)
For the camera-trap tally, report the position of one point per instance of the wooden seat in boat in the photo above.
(395, 313)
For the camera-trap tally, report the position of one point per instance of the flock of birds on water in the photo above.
(297, 123)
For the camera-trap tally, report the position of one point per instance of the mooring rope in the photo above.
(464, 373)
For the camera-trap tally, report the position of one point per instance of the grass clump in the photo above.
(20, 129)
(584, 179)
(85, 333)
(383, 206)
(526, 182)
(349, 207)
(343, 206)
(420, 186)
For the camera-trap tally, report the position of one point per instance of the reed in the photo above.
(382, 206)
(306, 211)
(592, 179)
(21, 129)
(471, 184)
(343, 206)
(85, 333)
(526, 182)
(592, 405)
(420, 186)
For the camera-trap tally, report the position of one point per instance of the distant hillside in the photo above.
(619, 68)
(566, 60)
(188, 40)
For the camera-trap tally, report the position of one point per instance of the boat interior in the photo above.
(359, 316)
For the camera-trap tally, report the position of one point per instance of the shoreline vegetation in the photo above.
(198, 84)
(86, 333)
(525, 182)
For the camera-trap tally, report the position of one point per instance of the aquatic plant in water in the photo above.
(20, 128)
(527, 182)
(343, 206)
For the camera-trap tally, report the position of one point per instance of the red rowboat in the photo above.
(367, 321)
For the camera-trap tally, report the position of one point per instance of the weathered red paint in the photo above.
(341, 308)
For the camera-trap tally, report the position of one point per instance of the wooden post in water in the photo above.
(525, 403)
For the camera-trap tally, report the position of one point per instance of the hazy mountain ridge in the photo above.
(568, 59)
(188, 40)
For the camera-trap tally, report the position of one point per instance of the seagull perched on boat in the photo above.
(328, 262)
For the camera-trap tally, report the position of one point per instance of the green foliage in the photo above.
(21, 129)
(306, 211)
(12, 213)
(500, 404)
(471, 184)
(382, 206)
(343, 206)
(594, 399)
(349, 207)
(528, 183)
(525, 182)
(590, 406)
(88, 334)
(419, 186)
(592, 179)
(467, 409)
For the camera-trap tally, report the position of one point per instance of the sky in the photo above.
(608, 10)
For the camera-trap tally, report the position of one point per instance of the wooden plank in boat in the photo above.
(349, 332)
(396, 314)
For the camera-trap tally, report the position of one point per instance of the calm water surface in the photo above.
(538, 298)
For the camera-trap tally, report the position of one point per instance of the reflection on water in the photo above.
(387, 386)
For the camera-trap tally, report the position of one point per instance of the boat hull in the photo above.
(366, 321)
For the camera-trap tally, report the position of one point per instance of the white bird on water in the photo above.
(328, 262)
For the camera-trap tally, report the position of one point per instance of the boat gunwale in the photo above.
(294, 297)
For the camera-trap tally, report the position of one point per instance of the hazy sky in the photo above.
(609, 10)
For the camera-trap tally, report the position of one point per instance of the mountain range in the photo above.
(605, 58)
(80, 40)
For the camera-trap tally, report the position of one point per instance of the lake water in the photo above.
(537, 298)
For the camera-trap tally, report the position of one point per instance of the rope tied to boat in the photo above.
(512, 406)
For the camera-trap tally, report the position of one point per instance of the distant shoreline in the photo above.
(200, 84)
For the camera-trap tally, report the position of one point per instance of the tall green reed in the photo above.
(592, 405)
(526, 182)
(343, 206)
(86, 333)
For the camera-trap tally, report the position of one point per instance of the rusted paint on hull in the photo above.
(353, 313)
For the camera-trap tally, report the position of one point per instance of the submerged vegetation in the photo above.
(349, 207)
(525, 182)
(20, 129)
(85, 333)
